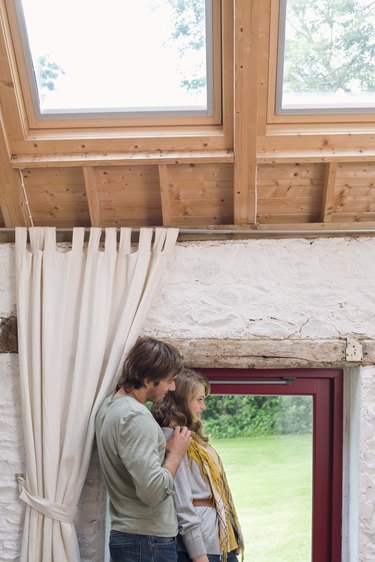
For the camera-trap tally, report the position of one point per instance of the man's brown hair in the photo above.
(150, 359)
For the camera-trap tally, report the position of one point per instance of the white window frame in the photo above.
(363, 118)
(107, 120)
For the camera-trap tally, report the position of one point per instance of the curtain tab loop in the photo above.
(50, 509)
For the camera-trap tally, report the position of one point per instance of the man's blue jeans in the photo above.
(126, 547)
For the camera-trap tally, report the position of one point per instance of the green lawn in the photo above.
(270, 479)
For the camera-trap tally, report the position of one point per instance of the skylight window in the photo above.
(326, 56)
(89, 57)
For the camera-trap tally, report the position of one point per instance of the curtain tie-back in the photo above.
(50, 509)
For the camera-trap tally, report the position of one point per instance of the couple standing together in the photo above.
(169, 496)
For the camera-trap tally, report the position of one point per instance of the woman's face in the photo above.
(196, 404)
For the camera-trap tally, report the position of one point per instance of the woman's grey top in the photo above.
(198, 526)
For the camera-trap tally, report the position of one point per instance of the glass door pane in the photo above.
(266, 444)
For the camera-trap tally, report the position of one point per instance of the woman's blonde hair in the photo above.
(174, 410)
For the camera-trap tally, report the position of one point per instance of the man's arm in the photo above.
(139, 451)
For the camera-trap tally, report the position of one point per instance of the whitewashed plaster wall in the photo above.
(276, 289)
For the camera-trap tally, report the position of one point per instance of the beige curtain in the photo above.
(79, 311)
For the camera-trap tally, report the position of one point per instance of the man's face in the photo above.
(156, 392)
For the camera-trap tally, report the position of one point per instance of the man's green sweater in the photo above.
(131, 449)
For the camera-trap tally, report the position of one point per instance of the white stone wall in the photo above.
(367, 468)
(322, 288)
(277, 289)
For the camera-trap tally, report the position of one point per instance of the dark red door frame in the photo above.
(326, 388)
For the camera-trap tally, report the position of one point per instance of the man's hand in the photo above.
(176, 448)
(180, 441)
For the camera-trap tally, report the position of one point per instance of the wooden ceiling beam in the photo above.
(121, 159)
(328, 199)
(92, 193)
(11, 201)
(304, 156)
(165, 194)
(245, 110)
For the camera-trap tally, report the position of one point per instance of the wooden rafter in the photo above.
(164, 194)
(245, 110)
(92, 195)
(12, 205)
(328, 199)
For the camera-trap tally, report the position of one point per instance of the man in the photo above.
(137, 466)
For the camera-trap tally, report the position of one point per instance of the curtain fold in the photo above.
(79, 312)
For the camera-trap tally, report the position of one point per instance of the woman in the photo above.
(208, 526)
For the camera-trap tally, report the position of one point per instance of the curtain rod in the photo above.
(7, 235)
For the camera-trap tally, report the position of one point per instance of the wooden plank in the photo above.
(319, 227)
(200, 206)
(287, 188)
(291, 171)
(355, 186)
(284, 150)
(14, 120)
(227, 69)
(164, 194)
(126, 212)
(265, 86)
(355, 220)
(92, 196)
(199, 222)
(63, 212)
(245, 136)
(106, 176)
(279, 204)
(201, 191)
(146, 196)
(357, 170)
(67, 222)
(273, 50)
(352, 193)
(11, 201)
(285, 218)
(201, 172)
(328, 198)
(354, 205)
(55, 178)
(96, 158)
(57, 194)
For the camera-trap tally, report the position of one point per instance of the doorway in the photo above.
(287, 475)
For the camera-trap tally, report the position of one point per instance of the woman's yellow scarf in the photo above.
(212, 470)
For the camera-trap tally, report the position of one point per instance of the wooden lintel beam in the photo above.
(268, 353)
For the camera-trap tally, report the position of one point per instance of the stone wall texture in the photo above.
(256, 289)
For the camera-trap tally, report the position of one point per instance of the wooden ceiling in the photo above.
(250, 171)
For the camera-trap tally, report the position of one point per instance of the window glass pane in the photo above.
(265, 443)
(326, 56)
(118, 56)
